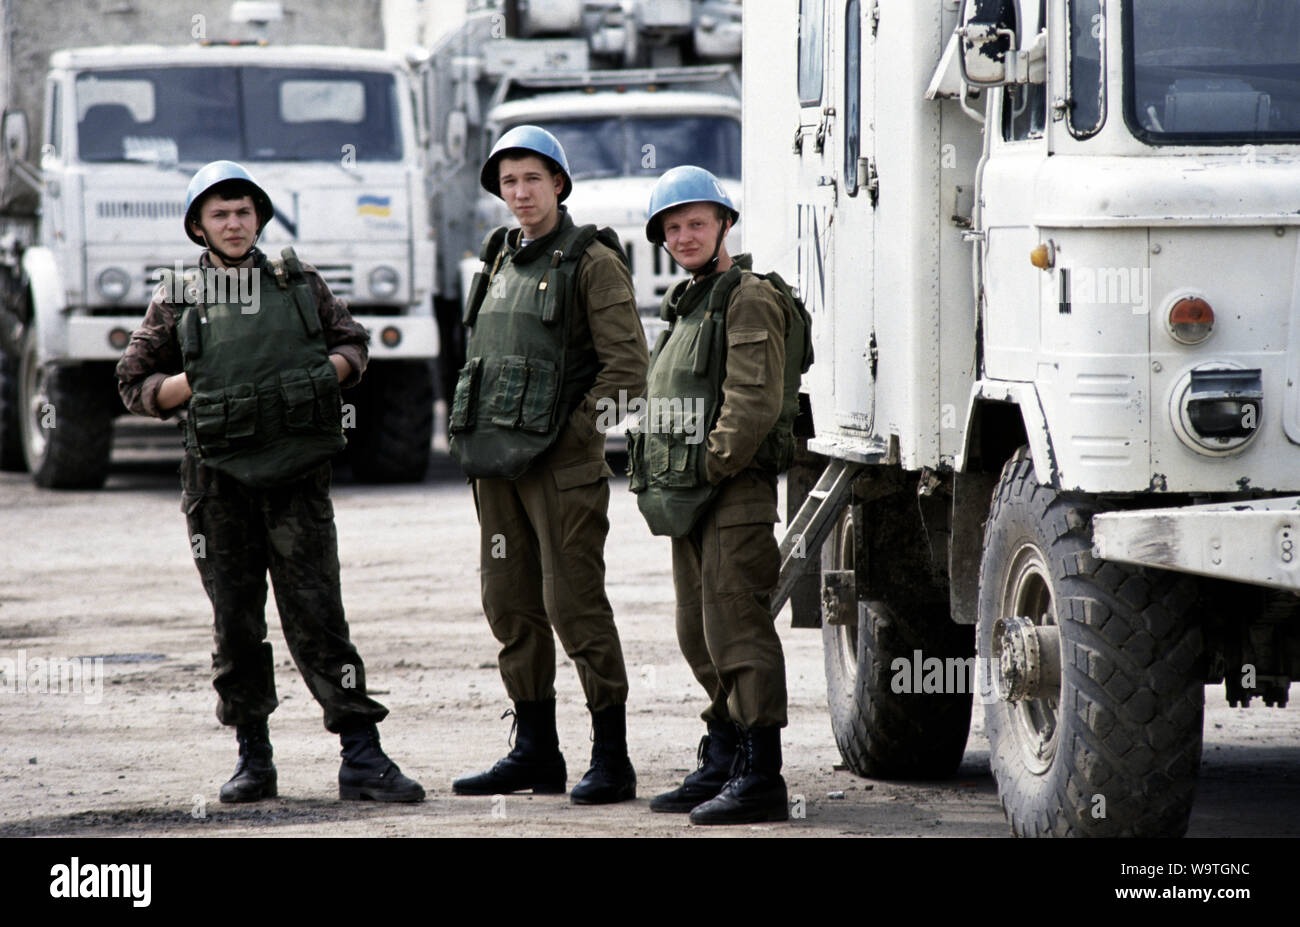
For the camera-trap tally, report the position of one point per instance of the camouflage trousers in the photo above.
(542, 553)
(723, 574)
(237, 534)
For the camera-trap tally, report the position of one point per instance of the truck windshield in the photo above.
(635, 146)
(240, 113)
(1212, 71)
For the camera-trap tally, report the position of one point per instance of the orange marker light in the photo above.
(391, 337)
(1191, 320)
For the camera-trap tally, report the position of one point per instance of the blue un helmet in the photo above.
(679, 186)
(533, 139)
(218, 172)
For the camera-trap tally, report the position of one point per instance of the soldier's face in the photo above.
(690, 233)
(230, 226)
(530, 191)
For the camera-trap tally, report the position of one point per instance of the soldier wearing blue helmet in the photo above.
(706, 477)
(255, 351)
(554, 340)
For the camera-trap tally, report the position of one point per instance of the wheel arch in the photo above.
(46, 288)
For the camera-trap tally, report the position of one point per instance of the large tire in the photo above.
(66, 420)
(1116, 751)
(393, 431)
(882, 733)
(11, 429)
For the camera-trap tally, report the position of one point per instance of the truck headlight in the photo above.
(1217, 408)
(113, 283)
(383, 282)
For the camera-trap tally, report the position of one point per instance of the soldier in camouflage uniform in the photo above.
(705, 475)
(554, 337)
(259, 381)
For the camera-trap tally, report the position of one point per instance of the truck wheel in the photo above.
(882, 732)
(67, 425)
(1095, 692)
(11, 429)
(394, 423)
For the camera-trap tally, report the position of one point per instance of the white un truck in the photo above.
(1051, 249)
(92, 209)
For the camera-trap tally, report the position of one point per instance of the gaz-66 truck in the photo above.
(331, 133)
(1051, 249)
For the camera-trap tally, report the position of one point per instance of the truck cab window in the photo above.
(1087, 43)
(54, 126)
(1212, 71)
(852, 93)
(812, 22)
(1024, 106)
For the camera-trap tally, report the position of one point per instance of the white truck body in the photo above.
(1009, 220)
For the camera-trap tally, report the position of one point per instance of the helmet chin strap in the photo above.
(712, 263)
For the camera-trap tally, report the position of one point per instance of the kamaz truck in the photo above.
(1051, 249)
(92, 207)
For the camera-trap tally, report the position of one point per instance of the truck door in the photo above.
(834, 86)
(1017, 129)
(54, 207)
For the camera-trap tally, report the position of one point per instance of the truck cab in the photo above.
(332, 136)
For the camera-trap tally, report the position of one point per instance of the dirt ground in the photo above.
(109, 574)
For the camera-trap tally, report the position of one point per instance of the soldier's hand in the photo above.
(174, 391)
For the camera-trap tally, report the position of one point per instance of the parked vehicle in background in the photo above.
(333, 134)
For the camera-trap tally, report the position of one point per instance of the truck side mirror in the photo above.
(987, 34)
(456, 136)
(989, 56)
(16, 140)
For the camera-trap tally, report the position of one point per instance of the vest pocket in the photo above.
(207, 421)
(241, 411)
(671, 460)
(539, 397)
(325, 383)
(525, 394)
(464, 403)
(299, 398)
(636, 462)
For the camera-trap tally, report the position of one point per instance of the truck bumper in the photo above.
(401, 337)
(1255, 542)
(391, 337)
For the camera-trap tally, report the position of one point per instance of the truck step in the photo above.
(812, 524)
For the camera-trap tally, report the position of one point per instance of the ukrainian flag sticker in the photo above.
(370, 205)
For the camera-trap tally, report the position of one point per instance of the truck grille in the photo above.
(653, 271)
(339, 277)
(138, 209)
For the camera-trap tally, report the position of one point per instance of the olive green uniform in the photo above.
(726, 566)
(542, 534)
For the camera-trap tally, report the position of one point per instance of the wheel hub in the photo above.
(1028, 659)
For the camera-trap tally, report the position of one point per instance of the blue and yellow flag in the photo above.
(370, 205)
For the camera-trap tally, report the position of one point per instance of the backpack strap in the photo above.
(490, 254)
(291, 268)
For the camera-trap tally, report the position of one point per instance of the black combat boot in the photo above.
(254, 777)
(611, 777)
(756, 792)
(535, 762)
(368, 773)
(715, 757)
